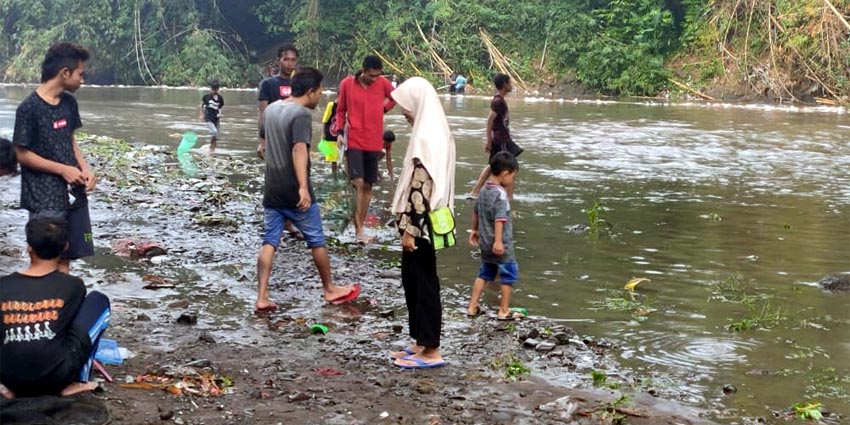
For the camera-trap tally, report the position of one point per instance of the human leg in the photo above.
(93, 318)
(508, 275)
(482, 178)
(309, 222)
(486, 273)
(213, 128)
(429, 309)
(271, 241)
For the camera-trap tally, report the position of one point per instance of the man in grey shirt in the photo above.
(288, 192)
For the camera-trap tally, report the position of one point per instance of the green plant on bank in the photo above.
(808, 411)
(513, 368)
(600, 379)
(638, 305)
(735, 289)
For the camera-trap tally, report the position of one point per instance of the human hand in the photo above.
(91, 180)
(304, 199)
(498, 248)
(408, 242)
(73, 176)
(261, 148)
(473, 238)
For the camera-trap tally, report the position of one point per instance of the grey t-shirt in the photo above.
(286, 124)
(493, 206)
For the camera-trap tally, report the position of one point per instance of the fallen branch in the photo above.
(837, 13)
(694, 91)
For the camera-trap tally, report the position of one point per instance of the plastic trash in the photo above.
(108, 352)
(188, 142)
(187, 164)
(319, 328)
(520, 310)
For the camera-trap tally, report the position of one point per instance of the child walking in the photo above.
(211, 105)
(492, 232)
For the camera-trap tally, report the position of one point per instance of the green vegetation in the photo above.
(808, 411)
(513, 367)
(781, 49)
(638, 305)
(600, 379)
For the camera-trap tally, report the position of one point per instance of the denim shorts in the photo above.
(509, 272)
(308, 222)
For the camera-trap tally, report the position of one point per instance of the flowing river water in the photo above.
(732, 211)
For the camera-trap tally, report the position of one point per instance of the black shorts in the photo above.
(80, 243)
(362, 164)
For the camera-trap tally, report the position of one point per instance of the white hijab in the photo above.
(431, 142)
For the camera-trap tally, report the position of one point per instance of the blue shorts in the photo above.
(509, 272)
(308, 222)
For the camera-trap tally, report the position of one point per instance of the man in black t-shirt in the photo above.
(211, 105)
(55, 176)
(275, 88)
(50, 329)
(8, 161)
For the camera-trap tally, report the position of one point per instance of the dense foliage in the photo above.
(779, 48)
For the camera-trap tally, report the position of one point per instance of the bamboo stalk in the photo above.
(694, 91)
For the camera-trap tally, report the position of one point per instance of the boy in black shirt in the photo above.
(211, 105)
(50, 329)
(275, 88)
(8, 162)
(55, 176)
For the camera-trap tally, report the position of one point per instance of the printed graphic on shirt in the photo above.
(60, 124)
(285, 91)
(32, 319)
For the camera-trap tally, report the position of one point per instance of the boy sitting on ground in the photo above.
(492, 232)
(50, 328)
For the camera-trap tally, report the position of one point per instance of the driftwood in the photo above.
(691, 90)
(500, 60)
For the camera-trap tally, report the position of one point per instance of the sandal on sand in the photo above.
(267, 309)
(419, 363)
(349, 297)
(478, 311)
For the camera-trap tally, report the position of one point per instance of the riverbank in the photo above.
(272, 369)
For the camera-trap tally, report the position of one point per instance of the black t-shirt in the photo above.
(274, 88)
(42, 351)
(212, 106)
(48, 131)
(502, 123)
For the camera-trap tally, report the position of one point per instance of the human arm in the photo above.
(498, 245)
(32, 160)
(473, 233)
(87, 173)
(389, 102)
(490, 120)
(389, 147)
(261, 140)
(300, 156)
(341, 108)
(412, 223)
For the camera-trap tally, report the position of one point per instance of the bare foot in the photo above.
(409, 351)
(78, 387)
(337, 292)
(6, 393)
(264, 306)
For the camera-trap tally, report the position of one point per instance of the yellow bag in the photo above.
(442, 228)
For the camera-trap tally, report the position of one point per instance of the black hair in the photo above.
(306, 79)
(372, 62)
(8, 160)
(389, 136)
(60, 56)
(214, 84)
(286, 48)
(503, 161)
(48, 237)
(500, 80)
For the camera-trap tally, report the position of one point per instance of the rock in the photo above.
(545, 346)
(424, 388)
(301, 396)
(533, 334)
(530, 343)
(835, 282)
(261, 395)
(557, 353)
(142, 317)
(206, 337)
(578, 228)
(387, 314)
(202, 363)
(398, 328)
(166, 415)
(563, 406)
(729, 389)
(188, 318)
(561, 337)
(579, 344)
(179, 304)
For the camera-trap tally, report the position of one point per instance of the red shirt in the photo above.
(363, 110)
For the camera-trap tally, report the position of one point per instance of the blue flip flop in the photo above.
(420, 364)
(407, 350)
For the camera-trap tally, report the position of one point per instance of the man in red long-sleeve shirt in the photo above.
(363, 100)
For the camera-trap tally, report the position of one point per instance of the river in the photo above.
(732, 211)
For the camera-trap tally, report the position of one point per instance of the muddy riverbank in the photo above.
(271, 369)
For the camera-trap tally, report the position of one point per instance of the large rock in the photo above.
(836, 282)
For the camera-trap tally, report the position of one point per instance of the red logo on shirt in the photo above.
(285, 91)
(60, 124)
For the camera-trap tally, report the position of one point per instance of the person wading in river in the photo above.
(55, 176)
(288, 192)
